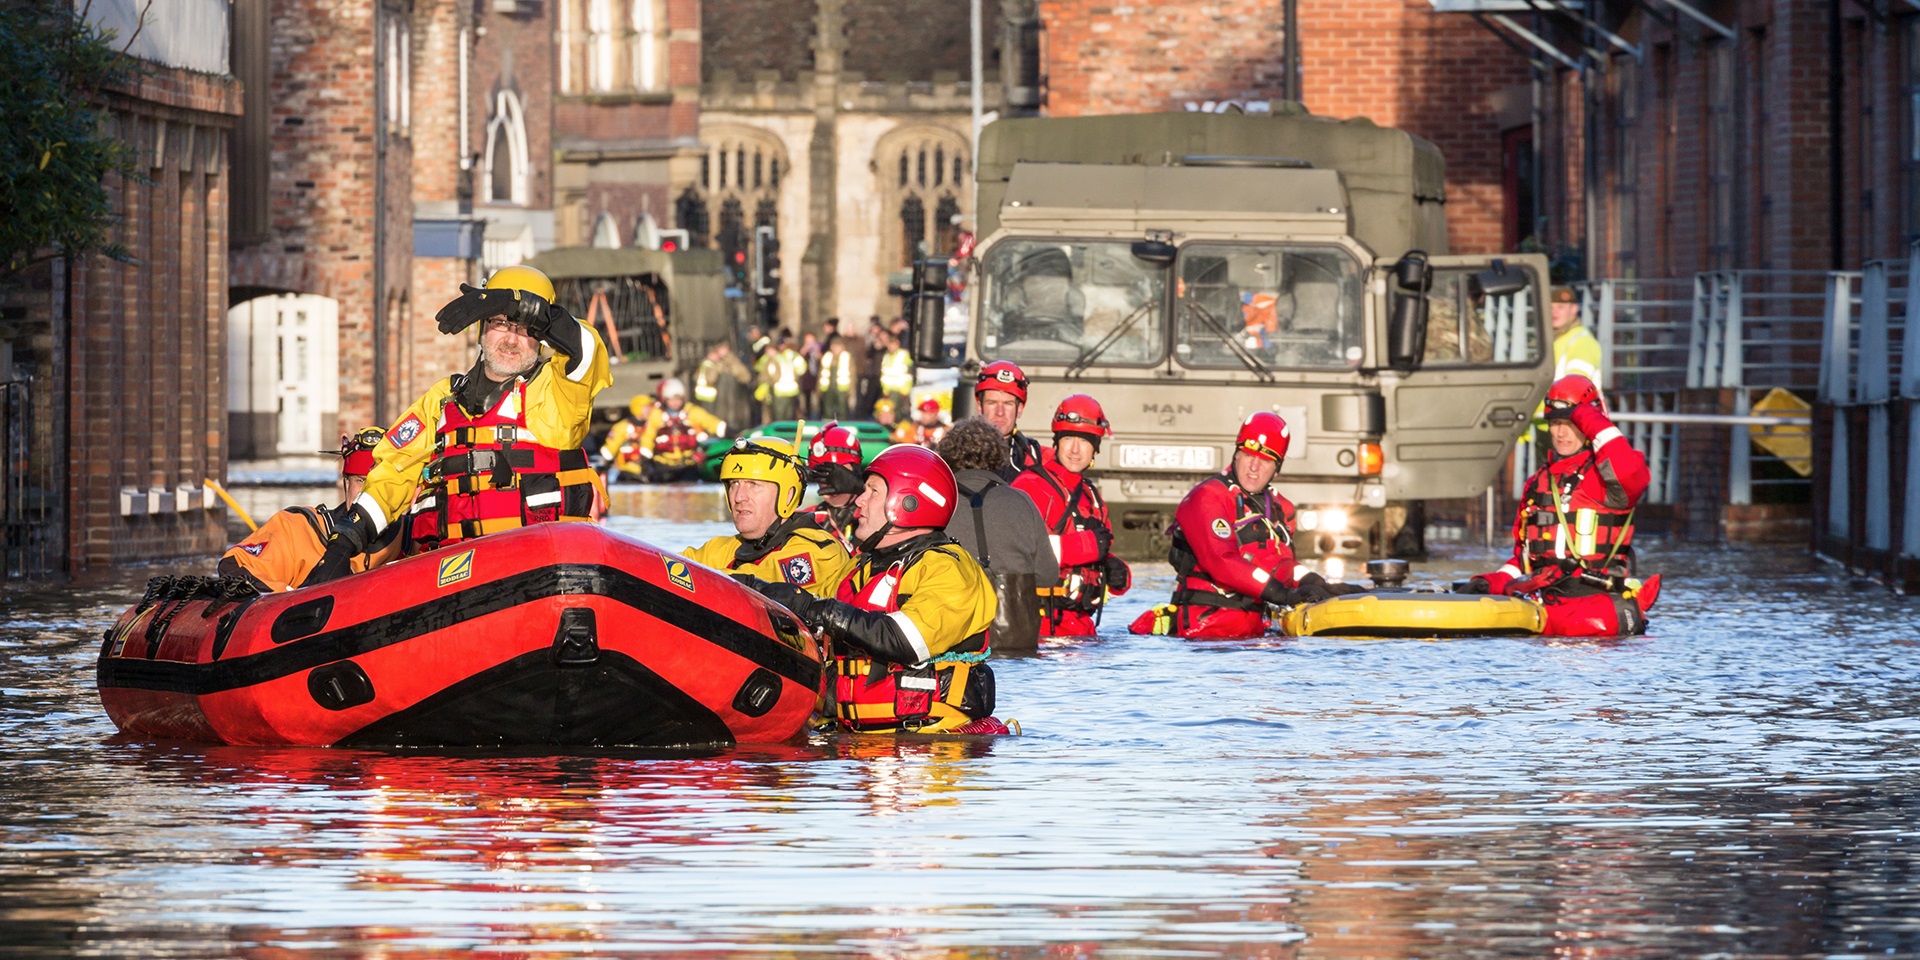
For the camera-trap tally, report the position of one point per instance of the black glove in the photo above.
(1342, 589)
(475, 304)
(350, 530)
(1558, 413)
(870, 630)
(1119, 575)
(1102, 539)
(781, 592)
(1312, 589)
(1478, 586)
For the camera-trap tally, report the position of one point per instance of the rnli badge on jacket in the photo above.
(254, 549)
(1221, 528)
(679, 573)
(798, 570)
(404, 431)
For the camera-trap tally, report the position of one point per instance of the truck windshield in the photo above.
(1061, 301)
(1267, 306)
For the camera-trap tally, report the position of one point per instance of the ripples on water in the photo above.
(1740, 783)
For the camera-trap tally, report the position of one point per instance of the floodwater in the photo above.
(1743, 782)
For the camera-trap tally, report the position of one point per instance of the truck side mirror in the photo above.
(930, 313)
(1498, 281)
(1154, 251)
(1407, 327)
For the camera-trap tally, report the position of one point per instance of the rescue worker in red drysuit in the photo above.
(1573, 537)
(833, 466)
(1233, 547)
(281, 554)
(494, 448)
(1000, 395)
(1077, 525)
(908, 626)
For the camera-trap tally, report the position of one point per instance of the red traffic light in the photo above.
(740, 256)
(669, 245)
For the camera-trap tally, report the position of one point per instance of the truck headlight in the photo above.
(1307, 520)
(1333, 520)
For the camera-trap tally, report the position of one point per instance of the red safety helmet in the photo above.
(930, 405)
(1080, 416)
(920, 487)
(834, 444)
(356, 452)
(1572, 390)
(1002, 375)
(1264, 435)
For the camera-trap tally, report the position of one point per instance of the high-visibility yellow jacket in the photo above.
(806, 556)
(559, 410)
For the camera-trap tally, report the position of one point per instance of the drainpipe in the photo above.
(379, 212)
(1836, 150)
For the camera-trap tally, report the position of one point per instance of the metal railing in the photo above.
(29, 498)
(1870, 367)
(1747, 331)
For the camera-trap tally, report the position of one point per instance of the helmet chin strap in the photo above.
(871, 543)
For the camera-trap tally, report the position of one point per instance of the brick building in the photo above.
(1396, 62)
(112, 410)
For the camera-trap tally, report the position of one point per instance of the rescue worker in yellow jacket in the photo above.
(280, 554)
(763, 482)
(496, 447)
(908, 626)
(621, 449)
(896, 374)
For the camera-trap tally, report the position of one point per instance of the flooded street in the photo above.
(1742, 782)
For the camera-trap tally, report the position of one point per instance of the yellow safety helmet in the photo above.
(522, 278)
(882, 405)
(640, 406)
(766, 458)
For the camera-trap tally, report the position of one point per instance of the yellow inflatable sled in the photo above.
(1415, 615)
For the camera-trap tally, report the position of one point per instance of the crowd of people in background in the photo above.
(824, 376)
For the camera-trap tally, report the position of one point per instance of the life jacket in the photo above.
(676, 435)
(875, 696)
(1082, 588)
(1023, 453)
(489, 474)
(704, 380)
(1256, 532)
(837, 521)
(1563, 524)
(896, 372)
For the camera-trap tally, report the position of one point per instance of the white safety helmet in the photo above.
(672, 387)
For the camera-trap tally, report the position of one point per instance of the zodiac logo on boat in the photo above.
(677, 572)
(456, 568)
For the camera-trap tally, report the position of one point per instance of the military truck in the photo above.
(1188, 269)
(658, 311)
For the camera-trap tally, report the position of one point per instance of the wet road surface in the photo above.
(1743, 782)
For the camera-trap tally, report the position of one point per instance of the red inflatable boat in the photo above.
(561, 634)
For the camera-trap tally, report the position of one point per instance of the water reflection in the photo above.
(1740, 783)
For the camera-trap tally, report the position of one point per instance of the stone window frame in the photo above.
(743, 165)
(611, 47)
(922, 171)
(507, 120)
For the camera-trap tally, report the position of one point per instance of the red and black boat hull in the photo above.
(556, 635)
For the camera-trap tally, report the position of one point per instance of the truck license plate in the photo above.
(1143, 456)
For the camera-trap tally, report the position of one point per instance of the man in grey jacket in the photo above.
(1002, 528)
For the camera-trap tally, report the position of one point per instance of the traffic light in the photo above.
(929, 311)
(674, 241)
(766, 261)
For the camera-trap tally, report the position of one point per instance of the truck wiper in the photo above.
(1239, 350)
(1086, 359)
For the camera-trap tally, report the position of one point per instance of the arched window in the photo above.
(610, 46)
(506, 173)
(740, 178)
(923, 192)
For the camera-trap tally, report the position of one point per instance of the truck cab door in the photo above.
(1454, 413)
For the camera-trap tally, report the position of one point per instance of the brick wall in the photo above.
(916, 39)
(1394, 61)
(746, 36)
(147, 350)
(516, 52)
